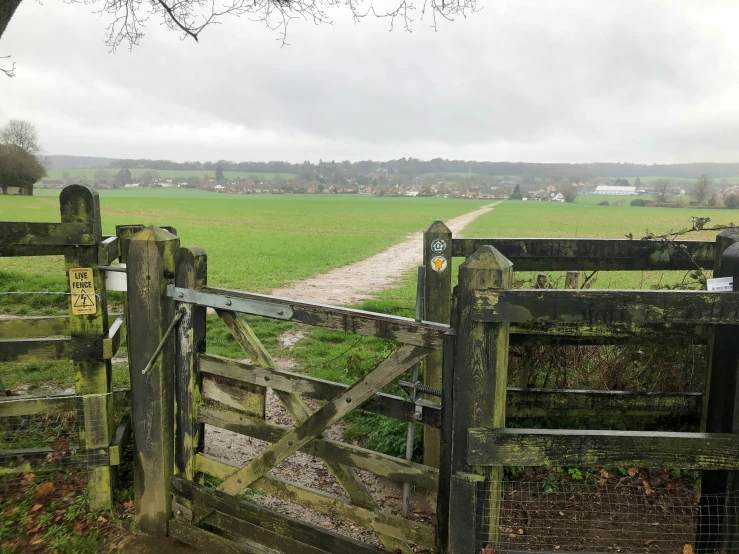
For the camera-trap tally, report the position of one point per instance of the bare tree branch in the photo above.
(8, 72)
(191, 17)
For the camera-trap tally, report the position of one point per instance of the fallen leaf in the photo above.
(44, 489)
(632, 471)
(488, 550)
(687, 549)
(326, 524)
(35, 508)
(654, 524)
(557, 547)
(520, 531)
(561, 513)
(36, 542)
(603, 473)
(101, 519)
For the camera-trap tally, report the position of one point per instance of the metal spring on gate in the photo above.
(420, 387)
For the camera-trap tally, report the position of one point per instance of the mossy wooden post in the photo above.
(152, 256)
(437, 258)
(447, 419)
(93, 378)
(718, 526)
(191, 274)
(480, 378)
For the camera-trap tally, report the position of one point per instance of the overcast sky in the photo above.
(565, 81)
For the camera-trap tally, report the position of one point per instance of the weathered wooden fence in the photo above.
(178, 388)
(85, 336)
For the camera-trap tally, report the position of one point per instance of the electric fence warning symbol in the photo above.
(82, 287)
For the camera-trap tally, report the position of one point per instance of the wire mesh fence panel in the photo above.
(41, 442)
(643, 512)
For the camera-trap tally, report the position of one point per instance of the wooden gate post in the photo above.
(81, 204)
(718, 524)
(480, 379)
(437, 258)
(192, 269)
(152, 256)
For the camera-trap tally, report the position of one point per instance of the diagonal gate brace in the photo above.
(353, 397)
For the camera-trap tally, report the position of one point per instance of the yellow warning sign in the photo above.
(82, 287)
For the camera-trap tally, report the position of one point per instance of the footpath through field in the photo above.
(358, 281)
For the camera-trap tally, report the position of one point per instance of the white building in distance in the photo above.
(614, 190)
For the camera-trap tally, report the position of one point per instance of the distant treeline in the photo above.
(414, 166)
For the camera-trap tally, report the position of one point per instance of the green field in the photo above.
(168, 173)
(254, 242)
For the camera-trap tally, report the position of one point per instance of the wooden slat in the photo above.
(545, 254)
(573, 448)
(33, 350)
(231, 394)
(11, 406)
(563, 334)
(252, 537)
(121, 439)
(24, 406)
(356, 395)
(549, 403)
(34, 327)
(46, 234)
(206, 540)
(376, 520)
(109, 250)
(112, 342)
(401, 329)
(384, 404)
(36, 250)
(269, 520)
(390, 467)
(595, 307)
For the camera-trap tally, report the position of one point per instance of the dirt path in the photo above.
(358, 281)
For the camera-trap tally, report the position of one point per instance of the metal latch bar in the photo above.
(230, 303)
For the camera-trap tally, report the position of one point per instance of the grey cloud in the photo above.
(565, 81)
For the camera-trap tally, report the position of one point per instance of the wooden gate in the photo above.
(167, 290)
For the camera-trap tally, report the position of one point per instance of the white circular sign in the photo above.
(438, 263)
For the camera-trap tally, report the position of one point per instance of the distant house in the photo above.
(559, 197)
(219, 188)
(614, 190)
(538, 195)
(131, 186)
(53, 183)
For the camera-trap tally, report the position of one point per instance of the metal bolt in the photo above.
(179, 512)
(266, 377)
(228, 302)
(348, 400)
(181, 295)
(238, 481)
(289, 443)
(280, 312)
(417, 416)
